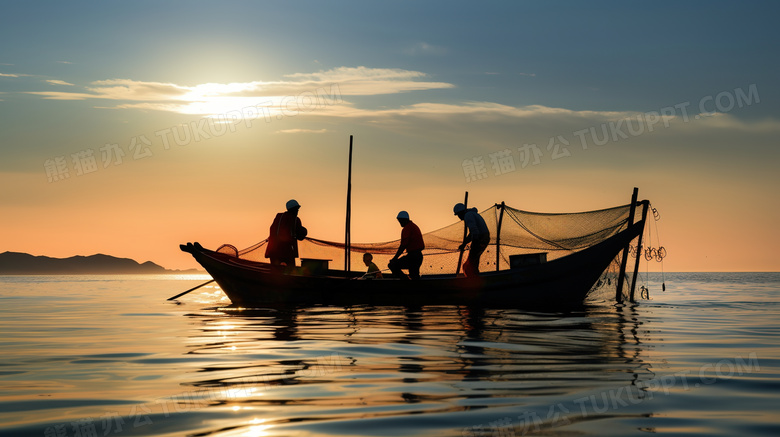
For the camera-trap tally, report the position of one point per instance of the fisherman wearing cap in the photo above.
(479, 236)
(286, 231)
(412, 243)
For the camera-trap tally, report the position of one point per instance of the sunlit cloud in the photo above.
(219, 98)
(357, 73)
(351, 81)
(216, 107)
(326, 95)
(59, 82)
(478, 111)
(125, 89)
(366, 81)
(9, 75)
(719, 121)
(61, 95)
(303, 94)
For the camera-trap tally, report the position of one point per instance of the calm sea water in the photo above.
(85, 356)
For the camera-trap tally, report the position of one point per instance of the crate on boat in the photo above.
(313, 266)
(527, 259)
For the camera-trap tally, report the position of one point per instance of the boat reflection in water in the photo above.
(438, 370)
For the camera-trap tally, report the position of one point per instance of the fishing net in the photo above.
(524, 237)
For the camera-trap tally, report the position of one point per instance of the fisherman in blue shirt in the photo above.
(478, 235)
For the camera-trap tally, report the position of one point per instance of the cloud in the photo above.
(9, 75)
(325, 95)
(122, 89)
(126, 89)
(219, 98)
(361, 81)
(59, 82)
(364, 81)
(58, 95)
(494, 126)
(357, 73)
(475, 111)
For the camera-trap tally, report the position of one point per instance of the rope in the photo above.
(651, 253)
(661, 252)
(656, 253)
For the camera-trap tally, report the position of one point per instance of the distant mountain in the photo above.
(15, 263)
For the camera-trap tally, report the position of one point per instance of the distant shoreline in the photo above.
(18, 263)
(165, 273)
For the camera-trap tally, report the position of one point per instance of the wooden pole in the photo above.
(498, 234)
(191, 289)
(645, 205)
(622, 274)
(465, 229)
(347, 235)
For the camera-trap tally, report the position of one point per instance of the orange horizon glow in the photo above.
(120, 228)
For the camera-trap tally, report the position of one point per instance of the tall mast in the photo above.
(498, 234)
(347, 236)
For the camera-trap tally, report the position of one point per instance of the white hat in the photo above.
(403, 215)
(292, 203)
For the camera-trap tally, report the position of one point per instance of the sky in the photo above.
(130, 127)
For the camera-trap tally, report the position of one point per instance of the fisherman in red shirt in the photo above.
(412, 243)
(285, 233)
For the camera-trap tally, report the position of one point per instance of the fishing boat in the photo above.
(534, 259)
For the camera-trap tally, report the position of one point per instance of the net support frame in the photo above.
(624, 261)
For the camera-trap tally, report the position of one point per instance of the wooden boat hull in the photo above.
(562, 282)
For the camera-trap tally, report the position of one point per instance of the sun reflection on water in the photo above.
(256, 429)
